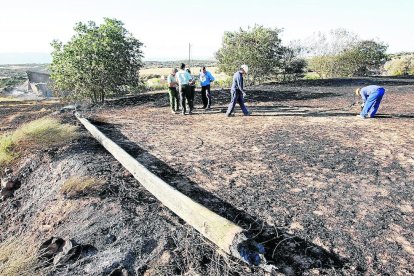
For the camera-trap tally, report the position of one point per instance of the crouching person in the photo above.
(371, 98)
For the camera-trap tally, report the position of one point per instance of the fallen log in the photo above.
(226, 235)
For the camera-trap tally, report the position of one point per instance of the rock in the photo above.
(70, 250)
(5, 194)
(70, 107)
(119, 272)
(59, 251)
(127, 174)
(8, 171)
(50, 248)
(10, 184)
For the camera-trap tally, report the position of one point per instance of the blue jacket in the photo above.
(237, 82)
(206, 79)
(368, 90)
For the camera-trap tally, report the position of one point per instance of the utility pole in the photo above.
(189, 56)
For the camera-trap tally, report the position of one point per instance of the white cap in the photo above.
(245, 68)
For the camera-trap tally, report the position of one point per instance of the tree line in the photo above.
(104, 60)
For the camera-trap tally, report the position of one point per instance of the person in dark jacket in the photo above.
(237, 92)
(371, 98)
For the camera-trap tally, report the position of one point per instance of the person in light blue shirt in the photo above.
(237, 92)
(183, 79)
(371, 98)
(205, 79)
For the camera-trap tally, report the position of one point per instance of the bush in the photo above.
(342, 54)
(99, 61)
(258, 47)
(400, 65)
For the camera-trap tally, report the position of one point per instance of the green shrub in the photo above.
(400, 65)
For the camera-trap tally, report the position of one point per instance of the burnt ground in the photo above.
(120, 227)
(325, 192)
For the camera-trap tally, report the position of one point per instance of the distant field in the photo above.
(166, 71)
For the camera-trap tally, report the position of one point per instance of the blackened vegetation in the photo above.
(289, 253)
(323, 191)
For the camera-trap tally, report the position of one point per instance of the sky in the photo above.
(166, 28)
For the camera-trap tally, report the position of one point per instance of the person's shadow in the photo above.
(290, 254)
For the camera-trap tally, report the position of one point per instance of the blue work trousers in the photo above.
(372, 103)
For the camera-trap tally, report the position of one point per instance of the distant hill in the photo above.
(176, 63)
(25, 58)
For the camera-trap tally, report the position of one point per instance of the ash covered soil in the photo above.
(323, 191)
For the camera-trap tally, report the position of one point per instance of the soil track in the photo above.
(323, 190)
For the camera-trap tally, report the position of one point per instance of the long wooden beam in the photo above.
(228, 236)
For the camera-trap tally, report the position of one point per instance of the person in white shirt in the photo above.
(183, 79)
(172, 90)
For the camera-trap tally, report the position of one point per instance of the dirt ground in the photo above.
(324, 191)
(302, 171)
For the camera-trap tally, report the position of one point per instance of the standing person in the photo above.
(205, 79)
(191, 84)
(172, 90)
(183, 79)
(371, 98)
(237, 92)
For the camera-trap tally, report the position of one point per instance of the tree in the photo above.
(258, 47)
(365, 58)
(99, 61)
(402, 64)
(342, 54)
(324, 49)
(292, 64)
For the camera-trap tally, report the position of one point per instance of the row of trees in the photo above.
(338, 53)
(101, 61)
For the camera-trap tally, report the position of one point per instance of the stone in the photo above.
(5, 194)
(9, 183)
(70, 250)
(119, 272)
(8, 171)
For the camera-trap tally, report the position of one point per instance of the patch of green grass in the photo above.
(38, 134)
(6, 149)
(311, 76)
(79, 184)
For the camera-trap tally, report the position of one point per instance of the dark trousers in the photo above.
(185, 94)
(173, 98)
(192, 94)
(237, 97)
(206, 96)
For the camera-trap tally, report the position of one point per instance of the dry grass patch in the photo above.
(80, 184)
(38, 134)
(9, 99)
(17, 257)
